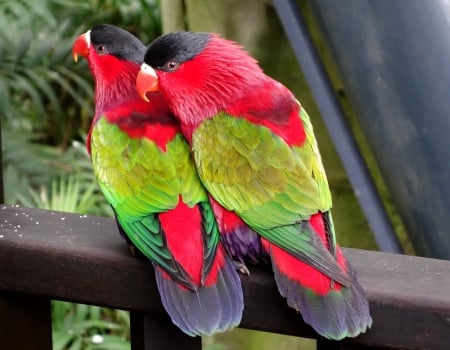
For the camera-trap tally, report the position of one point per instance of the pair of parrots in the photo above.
(210, 164)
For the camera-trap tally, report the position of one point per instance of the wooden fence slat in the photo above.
(325, 344)
(157, 332)
(25, 322)
(83, 259)
(2, 194)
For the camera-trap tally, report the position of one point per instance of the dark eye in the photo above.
(101, 49)
(171, 66)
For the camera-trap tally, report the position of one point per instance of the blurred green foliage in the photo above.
(46, 98)
(46, 109)
(87, 327)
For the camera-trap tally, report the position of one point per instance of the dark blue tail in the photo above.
(334, 315)
(207, 310)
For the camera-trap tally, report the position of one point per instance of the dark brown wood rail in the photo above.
(47, 255)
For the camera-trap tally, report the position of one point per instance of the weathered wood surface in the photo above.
(83, 259)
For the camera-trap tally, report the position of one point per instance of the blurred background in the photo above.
(46, 110)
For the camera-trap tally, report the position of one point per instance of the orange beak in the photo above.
(146, 81)
(81, 46)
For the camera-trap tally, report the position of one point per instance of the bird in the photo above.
(256, 154)
(145, 171)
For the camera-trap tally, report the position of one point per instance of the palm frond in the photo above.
(40, 82)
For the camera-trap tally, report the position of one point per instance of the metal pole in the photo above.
(338, 128)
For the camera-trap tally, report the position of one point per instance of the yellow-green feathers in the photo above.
(138, 177)
(257, 173)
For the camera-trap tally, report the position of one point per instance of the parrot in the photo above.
(146, 172)
(256, 154)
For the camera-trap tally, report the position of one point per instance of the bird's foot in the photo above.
(241, 267)
(132, 249)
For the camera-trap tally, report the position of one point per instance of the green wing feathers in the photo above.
(251, 169)
(141, 181)
(271, 185)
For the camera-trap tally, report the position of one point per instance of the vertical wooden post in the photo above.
(2, 196)
(153, 332)
(325, 344)
(25, 322)
(346, 344)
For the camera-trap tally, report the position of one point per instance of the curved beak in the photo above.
(81, 46)
(146, 81)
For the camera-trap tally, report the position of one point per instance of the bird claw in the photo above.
(132, 249)
(241, 267)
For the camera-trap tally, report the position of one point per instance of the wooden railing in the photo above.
(48, 255)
